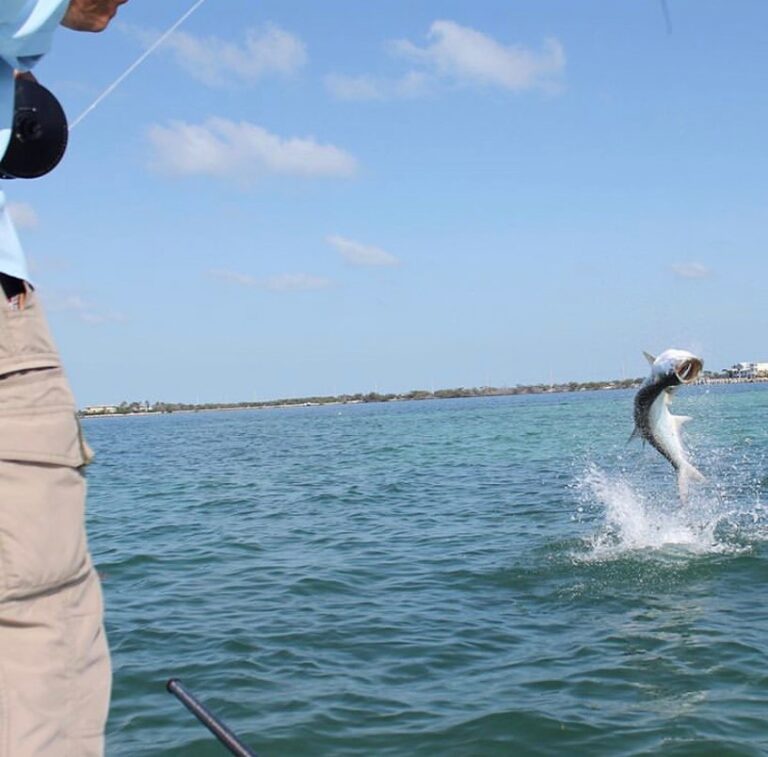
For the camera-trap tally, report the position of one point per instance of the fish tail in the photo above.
(685, 474)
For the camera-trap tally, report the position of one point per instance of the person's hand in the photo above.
(90, 15)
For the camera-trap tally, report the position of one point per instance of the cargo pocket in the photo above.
(42, 487)
(26, 341)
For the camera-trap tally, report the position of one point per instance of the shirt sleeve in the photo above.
(26, 30)
(26, 33)
(12, 259)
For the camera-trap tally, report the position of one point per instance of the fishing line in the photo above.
(120, 79)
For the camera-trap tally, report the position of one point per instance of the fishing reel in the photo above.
(39, 133)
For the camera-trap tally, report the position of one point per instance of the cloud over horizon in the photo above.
(457, 55)
(358, 254)
(268, 50)
(83, 309)
(467, 56)
(23, 215)
(364, 87)
(285, 282)
(691, 270)
(241, 150)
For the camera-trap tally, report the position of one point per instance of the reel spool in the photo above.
(39, 134)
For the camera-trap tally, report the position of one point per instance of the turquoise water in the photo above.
(461, 577)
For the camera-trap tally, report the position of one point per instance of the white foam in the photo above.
(635, 516)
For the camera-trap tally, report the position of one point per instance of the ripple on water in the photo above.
(434, 578)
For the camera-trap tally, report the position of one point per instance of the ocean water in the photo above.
(462, 577)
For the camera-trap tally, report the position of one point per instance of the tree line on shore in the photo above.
(130, 408)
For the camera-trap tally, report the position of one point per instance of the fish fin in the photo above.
(650, 358)
(634, 435)
(681, 419)
(685, 474)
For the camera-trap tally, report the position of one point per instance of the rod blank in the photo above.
(209, 720)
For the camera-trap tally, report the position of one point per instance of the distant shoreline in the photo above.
(165, 408)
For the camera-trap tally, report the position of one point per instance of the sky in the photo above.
(298, 198)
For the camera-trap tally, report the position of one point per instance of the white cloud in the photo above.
(286, 282)
(225, 149)
(359, 254)
(217, 62)
(233, 277)
(467, 56)
(296, 282)
(412, 84)
(354, 87)
(691, 270)
(43, 265)
(82, 309)
(23, 215)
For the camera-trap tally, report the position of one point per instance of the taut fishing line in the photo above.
(120, 79)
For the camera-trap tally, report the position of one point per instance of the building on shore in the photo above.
(748, 370)
(100, 410)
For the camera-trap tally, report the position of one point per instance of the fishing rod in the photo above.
(209, 720)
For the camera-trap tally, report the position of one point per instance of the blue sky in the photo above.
(302, 198)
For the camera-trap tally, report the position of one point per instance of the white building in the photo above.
(100, 410)
(748, 370)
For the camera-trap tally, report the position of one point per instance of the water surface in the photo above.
(476, 576)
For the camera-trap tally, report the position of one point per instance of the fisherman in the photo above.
(55, 675)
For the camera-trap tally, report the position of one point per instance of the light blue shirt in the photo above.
(26, 33)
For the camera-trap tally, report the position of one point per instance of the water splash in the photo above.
(637, 516)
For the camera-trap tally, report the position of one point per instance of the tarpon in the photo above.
(653, 421)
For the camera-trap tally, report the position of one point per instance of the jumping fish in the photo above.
(653, 421)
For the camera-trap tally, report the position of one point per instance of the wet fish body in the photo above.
(655, 423)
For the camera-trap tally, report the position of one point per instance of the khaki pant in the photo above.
(54, 663)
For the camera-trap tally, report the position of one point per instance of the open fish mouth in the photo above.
(688, 370)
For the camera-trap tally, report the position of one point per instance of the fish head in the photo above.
(676, 367)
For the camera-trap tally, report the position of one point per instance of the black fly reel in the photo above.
(39, 134)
